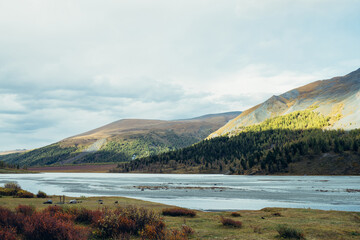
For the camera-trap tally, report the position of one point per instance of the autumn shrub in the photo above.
(54, 209)
(230, 222)
(8, 233)
(41, 194)
(187, 230)
(7, 191)
(141, 216)
(111, 225)
(154, 231)
(86, 216)
(24, 194)
(59, 212)
(44, 226)
(26, 210)
(7, 217)
(235, 214)
(287, 232)
(175, 234)
(174, 212)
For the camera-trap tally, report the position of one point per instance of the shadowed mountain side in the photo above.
(338, 97)
(124, 140)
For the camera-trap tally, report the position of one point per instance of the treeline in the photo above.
(139, 146)
(10, 166)
(42, 156)
(265, 148)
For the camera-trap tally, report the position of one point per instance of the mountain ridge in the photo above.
(331, 97)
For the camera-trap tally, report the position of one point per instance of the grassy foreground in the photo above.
(262, 224)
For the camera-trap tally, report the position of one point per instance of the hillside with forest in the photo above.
(123, 140)
(338, 98)
(301, 142)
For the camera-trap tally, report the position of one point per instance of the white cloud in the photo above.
(70, 66)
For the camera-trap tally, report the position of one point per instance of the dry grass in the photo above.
(88, 168)
(262, 224)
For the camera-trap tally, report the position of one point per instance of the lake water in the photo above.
(203, 192)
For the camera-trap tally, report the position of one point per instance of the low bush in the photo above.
(8, 233)
(187, 230)
(54, 209)
(59, 213)
(140, 216)
(175, 234)
(44, 226)
(289, 232)
(235, 214)
(257, 229)
(113, 226)
(7, 218)
(41, 194)
(155, 231)
(24, 194)
(12, 185)
(7, 191)
(174, 212)
(55, 222)
(86, 216)
(230, 222)
(26, 210)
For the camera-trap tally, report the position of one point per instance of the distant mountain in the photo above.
(338, 98)
(123, 140)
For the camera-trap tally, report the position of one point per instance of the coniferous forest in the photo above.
(277, 145)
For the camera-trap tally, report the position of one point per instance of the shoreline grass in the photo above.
(256, 224)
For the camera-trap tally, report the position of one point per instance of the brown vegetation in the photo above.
(175, 212)
(230, 222)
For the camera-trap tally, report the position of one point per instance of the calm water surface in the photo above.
(203, 192)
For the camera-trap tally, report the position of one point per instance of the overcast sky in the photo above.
(68, 66)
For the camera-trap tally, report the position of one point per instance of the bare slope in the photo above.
(338, 97)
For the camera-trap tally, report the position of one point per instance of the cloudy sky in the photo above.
(70, 66)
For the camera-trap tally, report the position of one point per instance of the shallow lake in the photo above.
(204, 192)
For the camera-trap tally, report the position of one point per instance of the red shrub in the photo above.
(44, 226)
(113, 226)
(53, 209)
(59, 212)
(8, 233)
(7, 217)
(87, 216)
(25, 210)
(155, 231)
(231, 223)
(174, 212)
